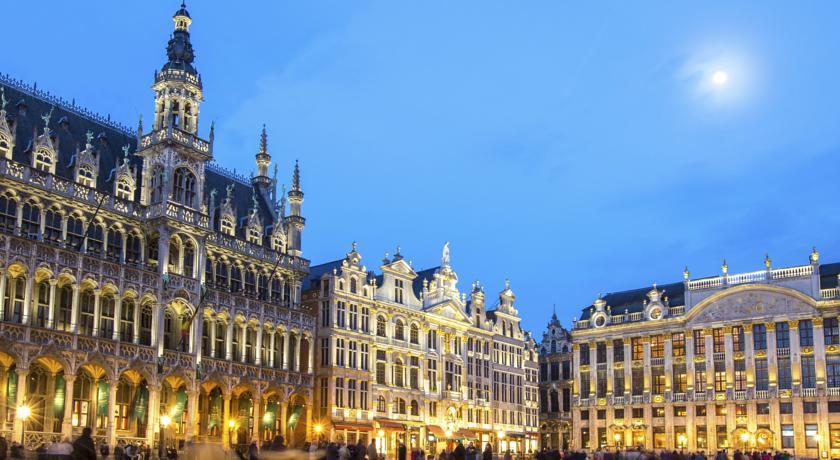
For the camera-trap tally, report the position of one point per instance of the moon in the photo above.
(720, 78)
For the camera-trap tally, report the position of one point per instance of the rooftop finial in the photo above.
(212, 134)
(140, 124)
(767, 261)
(815, 255)
(724, 268)
(686, 273)
(444, 258)
(263, 141)
(296, 178)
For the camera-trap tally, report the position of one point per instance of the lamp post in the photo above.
(501, 436)
(164, 422)
(22, 413)
(682, 440)
(231, 426)
(318, 429)
(745, 437)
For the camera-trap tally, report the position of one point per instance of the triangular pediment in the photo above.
(402, 267)
(449, 310)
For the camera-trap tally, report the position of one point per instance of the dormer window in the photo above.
(226, 225)
(123, 189)
(398, 291)
(43, 160)
(85, 176)
(254, 235)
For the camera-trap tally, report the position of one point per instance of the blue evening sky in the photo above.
(573, 147)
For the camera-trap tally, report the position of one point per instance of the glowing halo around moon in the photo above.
(720, 77)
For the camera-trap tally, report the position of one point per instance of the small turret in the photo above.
(295, 220)
(262, 180)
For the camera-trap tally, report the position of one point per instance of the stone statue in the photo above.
(254, 201)
(444, 260)
(3, 100)
(229, 190)
(213, 195)
(46, 117)
(124, 149)
(88, 137)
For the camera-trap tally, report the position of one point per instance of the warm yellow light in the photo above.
(380, 434)
(231, 424)
(165, 420)
(318, 428)
(23, 412)
(500, 434)
(745, 437)
(816, 437)
(720, 78)
(448, 434)
(682, 439)
(617, 437)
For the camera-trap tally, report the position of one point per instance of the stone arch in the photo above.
(751, 301)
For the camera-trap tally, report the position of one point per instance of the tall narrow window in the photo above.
(127, 320)
(31, 221)
(106, 316)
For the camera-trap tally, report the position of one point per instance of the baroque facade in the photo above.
(139, 282)
(556, 380)
(749, 360)
(405, 357)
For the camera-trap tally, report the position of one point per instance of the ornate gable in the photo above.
(754, 302)
(44, 152)
(449, 310)
(86, 167)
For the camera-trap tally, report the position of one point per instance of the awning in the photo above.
(515, 435)
(352, 426)
(436, 430)
(466, 434)
(390, 424)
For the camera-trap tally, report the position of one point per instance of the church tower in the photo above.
(261, 180)
(295, 222)
(178, 90)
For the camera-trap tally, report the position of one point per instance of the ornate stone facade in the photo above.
(405, 357)
(556, 379)
(746, 360)
(130, 292)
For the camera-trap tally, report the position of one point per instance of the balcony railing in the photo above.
(762, 394)
(809, 392)
(751, 277)
(782, 352)
(831, 293)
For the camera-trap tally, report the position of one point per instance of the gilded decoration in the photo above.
(699, 359)
(807, 350)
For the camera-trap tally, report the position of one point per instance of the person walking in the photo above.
(371, 451)
(488, 452)
(83, 447)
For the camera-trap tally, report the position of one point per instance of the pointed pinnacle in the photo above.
(263, 141)
(296, 178)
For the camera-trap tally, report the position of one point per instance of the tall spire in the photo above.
(296, 178)
(263, 141)
(263, 162)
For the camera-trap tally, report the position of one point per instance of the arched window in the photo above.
(250, 344)
(221, 331)
(156, 185)
(189, 258)
(399, 373)
(123, 188)
(5, 147)
(31, 222)
(82, 404)
(86, 311)
(127, 320)
(399, 330)
(115, 244)
(226, 226)
(254, 235)
(40, 309)
(174, 255)
(43, 160)
(185, 185)
(554, 346)
(8, 214)
(380, 326)
(94, 241)
(415, 334)
(250, 282)
(415, 408)
(235, 278)
(52, 226)
(133, 248)
(85, 176)
(146, 325)
(106, 316)
(64, 311)
(75, 229)
(221, 274)
(15, 290)
(353, 287)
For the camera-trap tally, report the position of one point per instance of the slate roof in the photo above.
(69, 126)
(633, 300)
(315, 272)
(417, 283)
(828, 275)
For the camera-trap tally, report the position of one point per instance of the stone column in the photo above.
(74, 309)
(258, 354)
(192, 415)
(283, 418)
(225, 422)
(576, 380)
(285, 361)
(749, 359)
(647, 369)
(729, 358)
(593, 370)
(135, 327)
(67, 421)
(819, 351)
(628, 373)
(710, 359)
(795, 353)
(271, 353)
(117, 318)
(112, 405)
(297, 352)
(242, 342)
(20, 399)
(258, 415)
(27, 299)
(213, 339)
(311, 366)
(2, 293)
(669, 375)
(772, 362)
(51, 310)
(153, 414)
(690, 384)
(229, 341)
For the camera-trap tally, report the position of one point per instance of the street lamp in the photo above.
(231, 426)
(318, 429)
(164, 422)
(22, 413)
(745, 437)
(501, 435)
(682, 439)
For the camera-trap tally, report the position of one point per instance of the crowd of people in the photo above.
(643, 454)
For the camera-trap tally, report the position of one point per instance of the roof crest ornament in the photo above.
(125, 149)
(46, 117)
(444, 259)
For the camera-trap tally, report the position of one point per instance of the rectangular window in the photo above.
(638, 348)
(759, 337)
(555, 371)
(680, 379)
(718, 340)
(340, 309)
(785, 379)
(351, 394)
(699, 343)
(809, 407)
(339, 352)
(831, 331)
(325, 352)
(601, 352)
(657, 346)
(806, 333)
(354, 317)
(786, 408)
(782, 335)
(618, 350)
(738, 338)
(834, 435)
(740, 375)
(832, 370)
(658, 376)
(811, 440)
(702, 438)
(339, 392)
(787, 436)
(638, 381)
(325, 313)
(762, 377)
(720, 381)
(584, 354)
(809, 372)
(618, 382)
(678, 344)
(700, 380)
(363, 395)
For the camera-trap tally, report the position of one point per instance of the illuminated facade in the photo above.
(556, 380)
(141, 283)
(747, 360)
(403, 356)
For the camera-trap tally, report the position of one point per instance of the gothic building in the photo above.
(141, 283)
(405, 357)
(555, 379)
(738, 361)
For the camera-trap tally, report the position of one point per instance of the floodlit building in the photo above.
(405, 357)
(749, 360)
(556, 382)
(142, 284)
